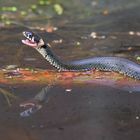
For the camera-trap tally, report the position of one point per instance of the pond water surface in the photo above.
(74, 111)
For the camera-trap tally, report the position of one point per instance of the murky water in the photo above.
(74, 110)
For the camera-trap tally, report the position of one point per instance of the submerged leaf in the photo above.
(8, 96)
(138, 58)
(59, 9)
(10, 9)
(33, 7)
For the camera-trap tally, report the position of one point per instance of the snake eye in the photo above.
(30, 35)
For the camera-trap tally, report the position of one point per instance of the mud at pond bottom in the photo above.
(86, 112)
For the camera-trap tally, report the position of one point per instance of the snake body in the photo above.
(116, 64)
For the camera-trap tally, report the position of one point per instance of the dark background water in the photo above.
(90, 111)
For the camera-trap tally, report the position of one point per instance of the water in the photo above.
(74, 110)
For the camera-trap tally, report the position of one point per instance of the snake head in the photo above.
(32, 39)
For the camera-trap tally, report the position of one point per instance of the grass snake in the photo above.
(116, 64)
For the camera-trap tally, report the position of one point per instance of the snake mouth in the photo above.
(29, 39)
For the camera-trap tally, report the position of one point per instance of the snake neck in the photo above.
(47, 53)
